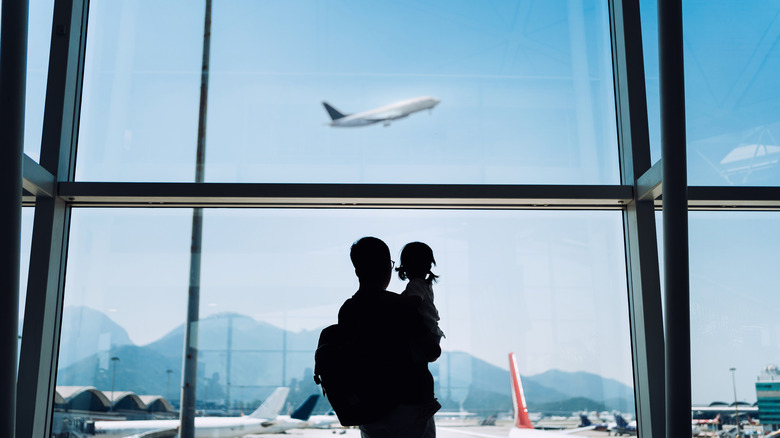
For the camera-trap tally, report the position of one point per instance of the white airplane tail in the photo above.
(522, 421)
(272, 405)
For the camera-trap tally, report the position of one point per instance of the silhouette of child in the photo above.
(416, 262)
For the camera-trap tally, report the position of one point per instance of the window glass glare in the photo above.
(549, 286)
(520, 92)
(28, 214)
(732, 104)
(733, 294)
(38, 44)
(732, 98)
(648, 10)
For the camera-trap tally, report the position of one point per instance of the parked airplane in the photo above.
(585, 421)
(623, 427)
(322, 421)
(297, 419)
(211, 427)
(522, 427)
(384, 114)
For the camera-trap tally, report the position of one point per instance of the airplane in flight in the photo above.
(384, 114)
(258, 422)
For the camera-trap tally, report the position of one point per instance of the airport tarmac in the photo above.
(500, 431)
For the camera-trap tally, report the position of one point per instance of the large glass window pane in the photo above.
(734, 282)
(549, 286)
(28, 214)
(732, 98)
(38, 44)
(525, 92)
(648, 10)
(139, 109)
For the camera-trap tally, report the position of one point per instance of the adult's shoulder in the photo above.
(400, 300)
(347, 309)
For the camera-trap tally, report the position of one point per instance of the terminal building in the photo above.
(74, 406)
(768, 395)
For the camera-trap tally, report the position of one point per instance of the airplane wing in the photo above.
(388, 115)
(160, 433)
(514, 433)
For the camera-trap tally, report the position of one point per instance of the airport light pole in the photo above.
(190, 365)
(168, 391)
(736, 407)
(114, 360)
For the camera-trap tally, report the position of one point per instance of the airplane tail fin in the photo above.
(333, 112)
(303, 412)
(584, 421)
(272, 405)
(621, 422)
(522, 421)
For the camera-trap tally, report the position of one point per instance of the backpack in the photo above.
(345, 374)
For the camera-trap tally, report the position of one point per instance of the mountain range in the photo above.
(263, 356)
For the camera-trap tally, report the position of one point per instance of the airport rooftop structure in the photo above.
(126, 403)
(578, 154)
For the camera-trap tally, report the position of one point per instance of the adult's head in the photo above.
(371, 259)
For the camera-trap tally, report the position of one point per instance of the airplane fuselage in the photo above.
(387, 113)
(205, 427)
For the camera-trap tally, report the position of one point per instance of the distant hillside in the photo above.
(85, 332)
(263, 356)
(582, 384)
(566, 407)
(138, 369)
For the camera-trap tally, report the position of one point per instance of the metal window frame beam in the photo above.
(13, 77)
(649, 186)
(46, 280)
(733, 198)
(641, 248)
(37, 181)
(343, 195)
(677, 313)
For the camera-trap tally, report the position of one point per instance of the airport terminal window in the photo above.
(28, 214)
(732, 99)
(732, 109)
(734, 280)
(524, 95)
(526, 92)
(39, 25)
(549, 286)
(649, 17)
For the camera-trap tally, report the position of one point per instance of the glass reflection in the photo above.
(549, 286)
(526, 92)
(732, 109)
(733, 298)
(38, 44)
(28, 215)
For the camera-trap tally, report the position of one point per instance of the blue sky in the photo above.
(526, 90)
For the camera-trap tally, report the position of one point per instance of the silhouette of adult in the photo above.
(390, 334)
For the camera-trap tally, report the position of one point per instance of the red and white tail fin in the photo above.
(518, 399)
